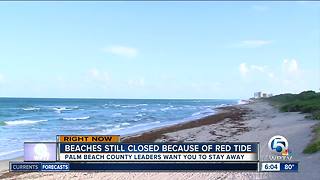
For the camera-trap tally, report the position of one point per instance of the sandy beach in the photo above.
(255, 122)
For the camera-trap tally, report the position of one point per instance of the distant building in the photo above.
(257, 95)
(260, 94)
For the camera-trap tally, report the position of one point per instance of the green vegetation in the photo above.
(315, 145)
(305, 102)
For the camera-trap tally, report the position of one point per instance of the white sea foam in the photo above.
(130, 129)
(146, 124)
(125, 124)
(122, 130)
(241, 101)
(139, 115)
(221, 105)
(31, 109)
(196, 114)
(112, 105)
(76, 118)
(169, 108)
(165, 109)
(205, 112)
(108, 131)
(129, 106)
(60, 109)
(22, 122)
(133, 105)
(106, 125)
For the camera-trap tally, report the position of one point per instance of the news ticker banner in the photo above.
(103, 153)
(126, 166)
(152, 166)
(104, 149)
(158, 152)
(109, 149)
(82, 153)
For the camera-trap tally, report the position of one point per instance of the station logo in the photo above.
(279, 147)
(41, 152)
(37, 151)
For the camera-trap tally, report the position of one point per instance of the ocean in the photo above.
(41, 119)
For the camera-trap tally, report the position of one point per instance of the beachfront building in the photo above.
(260, 94)
(257, 95)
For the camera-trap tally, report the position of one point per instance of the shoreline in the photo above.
(233, 112)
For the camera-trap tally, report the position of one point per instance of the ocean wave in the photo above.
(124, 105)
(124, 130)
(221, 105)
(4, 154)
(168, 108)
(129, 106)
(22, 122)
(125, 124)
(60, 109)
(31, 109)
(76, 118)
(196, 114)
(241, 101)
(129, 129)
(203, 113)
(112, 105)
(146, 124)
(106, 125)
(81, 128)
(108, 131)
(140, 115)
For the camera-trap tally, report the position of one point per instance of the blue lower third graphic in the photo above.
(289, 167)
(78, 166)
(39, 166)
(23, 166)
(55, 166)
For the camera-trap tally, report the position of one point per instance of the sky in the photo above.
(216, 50)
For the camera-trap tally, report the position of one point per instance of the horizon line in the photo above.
(120, 98)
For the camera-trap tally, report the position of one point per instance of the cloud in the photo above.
(290, 66)
(290, 70)
(123, 51)
(258, 68)
(243, 68)
(253, 43)
(246, 69)
(286, 76)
